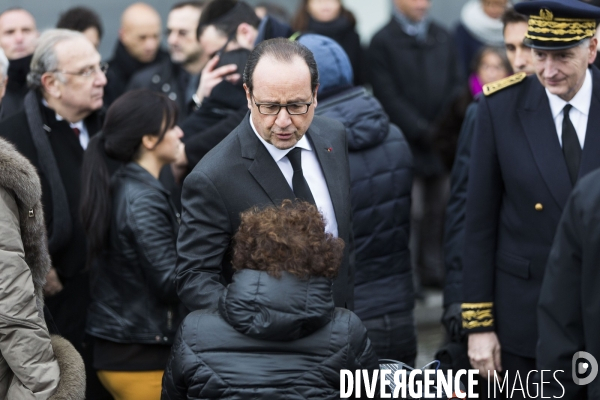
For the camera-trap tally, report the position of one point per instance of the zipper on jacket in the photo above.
(169, 319)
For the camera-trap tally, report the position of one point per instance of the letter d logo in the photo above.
(581, 368)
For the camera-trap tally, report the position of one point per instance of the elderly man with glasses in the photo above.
(280, 150)
(60, 114)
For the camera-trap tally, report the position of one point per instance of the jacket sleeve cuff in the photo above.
(477, 317)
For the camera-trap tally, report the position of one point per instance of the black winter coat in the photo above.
(415, 82)
(270, 339)
(134, 299)
(16, 87)
(381, 169)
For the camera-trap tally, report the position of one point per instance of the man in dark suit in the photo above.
(535, 136)
(281, 150)
(60, 114)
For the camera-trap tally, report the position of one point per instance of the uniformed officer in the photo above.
(535, 136)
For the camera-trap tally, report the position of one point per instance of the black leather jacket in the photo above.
(134, 299)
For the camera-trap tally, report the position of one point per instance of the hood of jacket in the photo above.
(367, 124)
(19, 176)
(279, 309)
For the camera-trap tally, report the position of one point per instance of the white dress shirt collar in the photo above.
(276, 153)
(84, 137)
(581, 101)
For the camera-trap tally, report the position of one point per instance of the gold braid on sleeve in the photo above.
(477, 315)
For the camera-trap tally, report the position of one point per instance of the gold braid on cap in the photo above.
(547, 28)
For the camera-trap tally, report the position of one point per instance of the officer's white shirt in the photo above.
(581, 103)
(311, 169)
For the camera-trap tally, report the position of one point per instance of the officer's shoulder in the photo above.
(497, 86)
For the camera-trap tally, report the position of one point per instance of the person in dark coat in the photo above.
(62, 111)
(519, 56)
(138, 48)
(131, 225)
(535, 137)
(415, 75)
(18, 35)
(178, 76)
(380, 184)
(276, 333)
(255, 164)
(480, 25)
(568, 307)
(332, 19)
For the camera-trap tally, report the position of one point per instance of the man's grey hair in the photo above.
(3, 65)
(44, 57)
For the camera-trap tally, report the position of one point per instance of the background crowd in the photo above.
(130, 246)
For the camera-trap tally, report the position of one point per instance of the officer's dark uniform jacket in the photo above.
(517, 189)
(272, 338)
(134, 299)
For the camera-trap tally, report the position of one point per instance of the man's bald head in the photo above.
(18, 33)
(140, 31)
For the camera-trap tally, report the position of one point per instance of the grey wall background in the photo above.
(370, 14)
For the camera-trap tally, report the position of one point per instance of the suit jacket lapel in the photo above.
(538, 124)
(331, 169)
(263, 168)
(591, 147)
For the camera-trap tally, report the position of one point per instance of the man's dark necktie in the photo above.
(571, 146)
(76, 131)
(301, 189)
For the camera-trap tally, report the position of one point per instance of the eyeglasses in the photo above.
(273, 109)
(89, 71)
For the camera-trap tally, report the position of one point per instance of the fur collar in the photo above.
(19, 176)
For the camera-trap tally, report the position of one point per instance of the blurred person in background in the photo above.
(178, 76)
(18, 35)
(489, 65)
(276, 333)
(480, 25)
(61, 113)
(138, 47)
(380, 185)
(264, 9)
(84, 20)
(415, 75)
(33, 364)
(131, 226)
(521, 60)
(228, 31)
(3, 76)
(330, 18)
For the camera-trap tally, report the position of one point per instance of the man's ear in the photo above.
(50, 83)
(315, 96)
(246, 35)
(248, 97)
(593, 50)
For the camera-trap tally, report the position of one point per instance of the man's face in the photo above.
(562, 72)
(81, 94)
(141, 38)
(518, 54)
(494, 8)
(181, 30)
(415, 10)
(17, 34)
(281, 83)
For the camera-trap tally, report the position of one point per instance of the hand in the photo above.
(212, 76)
(179, 166)
(53, 285)
(484, 352)
(452, 320)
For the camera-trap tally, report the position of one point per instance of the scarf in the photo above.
(487, 30)
(418, 30)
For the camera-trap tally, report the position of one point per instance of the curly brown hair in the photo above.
(289, 238)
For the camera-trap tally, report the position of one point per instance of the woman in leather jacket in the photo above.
(132, 227)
